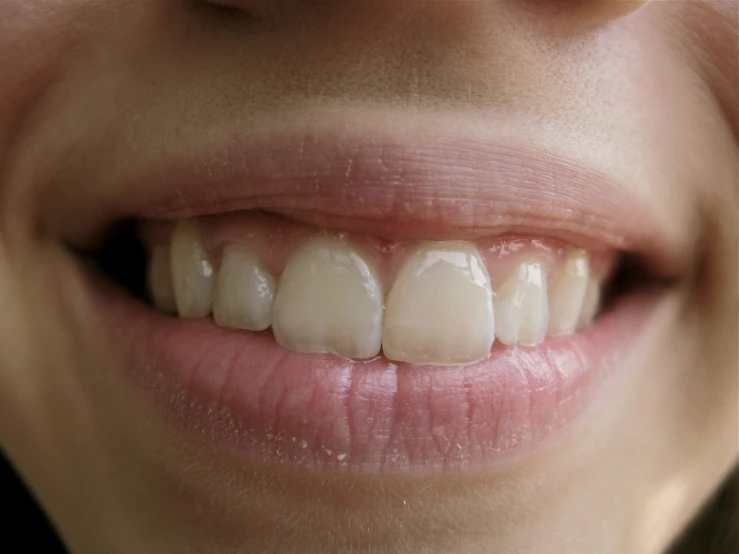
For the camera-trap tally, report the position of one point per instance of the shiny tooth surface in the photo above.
(159, 280)
(193, 274)
(244, 291)
(328, 301)
(521, 309)
(440, 309)
(567, 293)
(591, 303)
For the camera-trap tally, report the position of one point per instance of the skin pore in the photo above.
(95, 93)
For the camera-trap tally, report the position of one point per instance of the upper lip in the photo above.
(366, 179)
(363, 178)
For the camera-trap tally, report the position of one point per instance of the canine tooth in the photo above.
(328, 301)
(567, 294)
(159, 280)
(590, 304)
(244, 291)
(193, 275)
(521, 310)
(440, 309)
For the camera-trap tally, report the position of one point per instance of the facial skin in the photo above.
(91, 92)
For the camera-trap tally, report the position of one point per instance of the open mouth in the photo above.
(320, 340)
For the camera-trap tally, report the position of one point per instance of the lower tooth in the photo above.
(521, 310)
(159, 280)
(328, 301)
(192, 271)
(440, 308)
(244, 291)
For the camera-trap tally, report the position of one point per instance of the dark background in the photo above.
(715, 532)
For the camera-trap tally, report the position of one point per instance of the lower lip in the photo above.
(251, 397)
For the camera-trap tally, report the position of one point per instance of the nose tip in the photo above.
(587, 14)
(612, 9)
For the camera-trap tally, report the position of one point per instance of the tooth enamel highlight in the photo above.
(590, 304)
(192, 272)
(521, 309)
(159, 280)
(328, 301)
(440, 309)
(567, 294)
(244, 292)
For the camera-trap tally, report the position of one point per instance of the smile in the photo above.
(334, 330)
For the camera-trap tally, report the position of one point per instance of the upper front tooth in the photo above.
(440, 309)
(521, 306)
(567, 294)
(328, 300)
(159, 279)
(192, 271)
(244, 292)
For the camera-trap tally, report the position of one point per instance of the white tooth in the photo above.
(328, 300)
(440, 309)
(590, 304)
(192, 271)
(159, 280)
(521, 310)
(567, 294)
(245, 291)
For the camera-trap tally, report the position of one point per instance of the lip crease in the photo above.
(244, 392)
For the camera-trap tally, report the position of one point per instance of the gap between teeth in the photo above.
(440, 310)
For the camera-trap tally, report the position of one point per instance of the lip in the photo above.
(248, 395)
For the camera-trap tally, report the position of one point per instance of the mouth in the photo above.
(275, 301)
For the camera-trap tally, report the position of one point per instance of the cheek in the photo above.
(32, 43)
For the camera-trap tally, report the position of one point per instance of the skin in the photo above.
(93, 87)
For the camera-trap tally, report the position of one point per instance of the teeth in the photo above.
(521, 306)
(440, 309)
(590, 304)
(159, 280)
(244, 292)
(192, 272)
(567, 295)
(328, 301)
